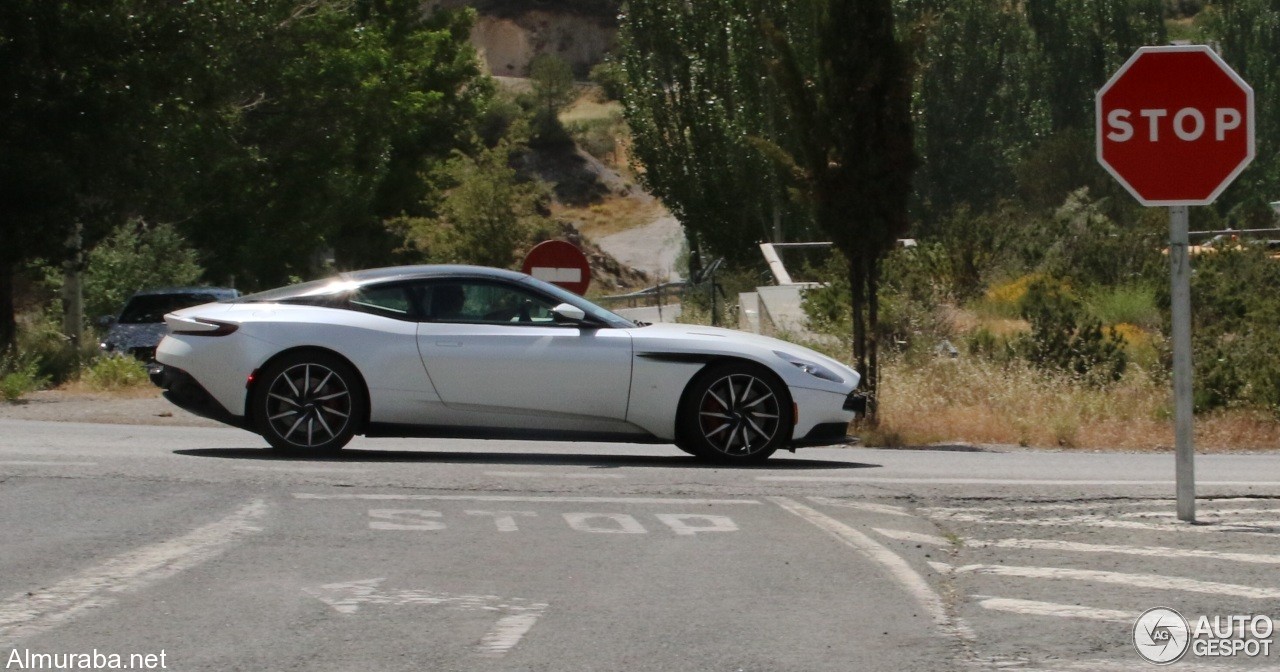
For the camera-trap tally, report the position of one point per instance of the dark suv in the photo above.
(138, 328)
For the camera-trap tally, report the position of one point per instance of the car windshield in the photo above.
(150, 308)
(591, 309)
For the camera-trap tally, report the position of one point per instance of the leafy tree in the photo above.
(1081, 43)
(487, 218)
(334, 112)
(703, 114)
(974, 106)
(137, 256)
(93, 100)
(552, 81)
(850, 99)
(266, 130)
(1249, 31)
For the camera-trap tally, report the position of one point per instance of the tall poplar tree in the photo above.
(738, 105)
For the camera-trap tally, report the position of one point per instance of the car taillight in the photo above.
(197, 326)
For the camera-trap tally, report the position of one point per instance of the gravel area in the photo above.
(132, 407)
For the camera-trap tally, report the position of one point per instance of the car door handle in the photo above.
(449, 344)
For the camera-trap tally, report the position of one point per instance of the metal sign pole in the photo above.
(1180, 272)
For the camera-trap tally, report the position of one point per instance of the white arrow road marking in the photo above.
(1079, 547)
(520, 614)
(1119, 578)
(27, 614)
(1034, 608)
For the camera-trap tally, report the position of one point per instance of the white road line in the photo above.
(1164, 552)
(303, 470)
(914, 537)
(44, 463)
(899, 569)
(27, 614)
(1148, 581)
(1246, 526)
(520, 498)
(1047, 506)
(545, 474)
(997, 481)
(1033, 608)
(1185, 665)
(1204, 513)
(861, 506)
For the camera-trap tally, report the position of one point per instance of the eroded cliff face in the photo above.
(509, 33)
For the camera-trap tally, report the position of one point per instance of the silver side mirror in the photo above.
(568, 313)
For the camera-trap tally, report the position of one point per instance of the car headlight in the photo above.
(812, 368)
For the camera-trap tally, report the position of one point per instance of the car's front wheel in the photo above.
(308, 402)
(737, 413)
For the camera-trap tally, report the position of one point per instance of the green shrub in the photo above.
(1125, 304)
(611, 77)
(41, 342)
(1235, 330)
(596, 136)
(115, 372)
(19, 376)
(1063, 337)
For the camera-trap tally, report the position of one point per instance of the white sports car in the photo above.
(460, 351)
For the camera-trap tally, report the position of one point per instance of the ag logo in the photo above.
(1161, 635)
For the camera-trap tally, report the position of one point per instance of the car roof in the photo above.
(353, 279)
(373, 275)
(220, 292)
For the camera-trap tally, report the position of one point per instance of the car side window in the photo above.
(476, 302)
(382, 300)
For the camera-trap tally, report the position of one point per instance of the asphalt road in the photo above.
(202, 545)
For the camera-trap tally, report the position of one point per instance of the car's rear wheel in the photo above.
(736, 413)
(309, 402)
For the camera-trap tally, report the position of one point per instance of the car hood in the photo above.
(694, 339)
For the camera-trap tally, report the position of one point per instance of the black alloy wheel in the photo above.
(737, 413)
(308, 403)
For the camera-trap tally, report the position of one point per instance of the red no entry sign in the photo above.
(559, 263)
(1175, 125)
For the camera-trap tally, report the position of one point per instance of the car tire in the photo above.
(735, 413)
(308, 403)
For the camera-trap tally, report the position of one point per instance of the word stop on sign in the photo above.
(1187, 124)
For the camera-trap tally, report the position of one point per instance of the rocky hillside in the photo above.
(509, 33)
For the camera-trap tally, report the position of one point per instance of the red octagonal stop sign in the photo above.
(1175, 125)
(559, 263)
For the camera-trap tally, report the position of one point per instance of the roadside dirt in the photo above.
(129, 407)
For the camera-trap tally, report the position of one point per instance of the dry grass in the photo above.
(613, 214)
(976, 401)
(589, 107)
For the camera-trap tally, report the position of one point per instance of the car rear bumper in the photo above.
(184, 392)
